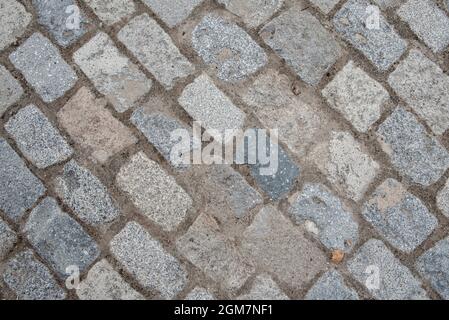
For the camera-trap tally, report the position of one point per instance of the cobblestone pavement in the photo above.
(90, 91)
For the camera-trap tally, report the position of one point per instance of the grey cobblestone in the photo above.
(443, 199)
(111, 11)
(10, 90)
(199, 294)
(331, 286)
(325, 5)
(173, 12)
(264, 288)
(253, 12)
(14, 19)
(8, 239)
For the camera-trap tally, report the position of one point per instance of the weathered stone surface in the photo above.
(30, 279)
(199, 294)
(43, 67)
(86, 195)
(399, 216)
(264, 288)
(19, 189)
(147, 261)
(396, 282)
(14, 19)
(415, 154)
(112, 73)
(357, 96)
(385, 4)
(275, 245)
(37, 138)
(306, 46)
(111, 11)
(331, 286)
(217, 256)
(325, 5)
(253, 12)
(443, 199)
(10, 90)
(323, 215)
(104, 283)
(155, 193)
(159, 54)
(426, 94)
(173, 12)
(8, 239)
(379, 43)
(98, 134)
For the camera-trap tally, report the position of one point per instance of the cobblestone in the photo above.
(264, 288)
(331, 286)
(111, 11)
(325, 6)
(173, 12)
(253, 12)
(14, 19)
(10, 90)
(443, 199)
(8, 239)
(199, 294)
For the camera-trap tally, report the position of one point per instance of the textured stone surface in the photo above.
(443, 199)
(264, 288)
(19, 189)
(99, 135)
(112, 73)
(253, 12)
(331, 286)
(305, 45)
(199, 294)
(10, 90)
(154, 192)
(173, 12)
(399, 216)
(323, 215)
(415, 154)
(37, 138)
(325, 5)
(13, 19)
(275, 245)
(43, 67)
(8, 239)
(59, 239)
(86, 195)
(357, 96)
(111, 11)
(382, 46)
(159, 54)
(31, 280)
(396, 282)
(147, 261)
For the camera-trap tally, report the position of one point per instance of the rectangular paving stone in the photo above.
(43, 67)
(305, 45)
(331, 286)
(112, 73)
(89, 123)
(59, 239)
(19, 189)
(104, 283)
(253, 12)
(10, 90)
(275, 245)
(111, 11)
(8, 239)
(31, 280)
(415, 154)
(159, 54)
(227, 48)
(357, 96)
(399, 216)
(14, 19)
(426, 94)
(433, 265)
(155, 193)
(382, 46)
(212, 252)
(325, 6)
(37, 138)
(86, 195)
(428, 22)
(173, 12)
(264, 288)
(63, 19)
(443, 199)
(148, 262)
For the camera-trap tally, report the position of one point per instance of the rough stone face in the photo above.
(37, 138)
(199, 294)
(59, 239)
(385, 4)
(8, 239)
(323, 215)
(346, 165)
(30, 279)
(434, 267)
(98, 134)
(264, 288)
(379, 43)
(396, 282)
(155, 193)
(217, 256)
(104, 283)
(159, 54)
(275, 245)
(305, 45)
(173, 12)
(357, 96)
(331, 286)
(399, 216)
(147, 261)
(443, 199)
(14, 19)
(19, 189)
(325, 6)
(111, 11)
(426, 94)
(43, 67)
(86, 195)
(112, 73)
(253, 12)
(10, 90)
(64, 19)
(415, 154)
